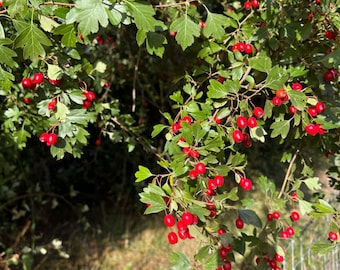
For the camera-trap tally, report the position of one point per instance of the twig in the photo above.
(288, 173)
(134, 83)
(175, 4)
(21, 234)
(52, 3)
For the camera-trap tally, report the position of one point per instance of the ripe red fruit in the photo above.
(227, 265)
(221, 79)
(276, 215)
(38, 78)
(175, 127)
(202, 25)
(181, 226)
(169, 220)
(86, 103)
(294, 196)
(221, 231)
(237, 136)
(258, 112)
(210, 192)
(320, 107)
(186, 151)
(26, 83)
(241, 122)
(247, 5)
(193, 174)
(219, 180)
(51, 139)
(246, 183)
(27, 100)
(312, 111)
(183, 234)
(172, 238)
(290, 231)
(297, 86)
(200, 168)
(276, 101)
(194, 154)
(239, 223)
(43, 137)
(252, 122)
(212, 184)
(210, 206)
(217, 120)
(279, 258)
(272, 264)
(90, 95)
(255, 3)
(292, 109)
(330, 34)
(270, 217)
(55, 82)
(187, 218)
(333, 236)
(330, 75)
(223, 252)
(248, 48)
(295, 216)
(284, 235)
(311, 129)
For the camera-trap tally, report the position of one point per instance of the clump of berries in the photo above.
(242, 47)
(48, 138)
(29, 83)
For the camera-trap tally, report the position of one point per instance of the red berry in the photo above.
(186, 151)
(212, 214)
(312, 111)
(252, 122)
(27, 100)
(38, 78)
(90, 95)
(183, 234)
(227, 265)
(51, 139)
(248, 48)
(55, 82)
(333, 236)
(276, 215)
(202, 25)
(172, 238)
(217, 120)
(210, 192)
(237, 136)
(210, 206)
(43, 137)
(311, 129)
(320, 107)
(246, 184)
(241, 122)
(270, 217)
(255, 3)
(294, 196)
(292, 109)
(284, 235)
(272, 264)
(330, 34)
(290, 231)
(276, 101)
(239, 223)
(200, 168)
(169, 220)
(219, 180)
(221, 231)
(279, 258)
(175, 127)
(247, 5)
(187, 218)
(181, 226)
(297, 86)
(212, 184)
(26, 83)
(221, 79)
(295, 216)
(223, 252)
(331, 74)
(86, 103)
(258, 112)
(192, 174)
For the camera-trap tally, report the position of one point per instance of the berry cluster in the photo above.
(330, 75)
(182, 226)
(51, 105)
(223, 252)
(242, 47)
(272, 262)
(175, 127)
(27, 83)
(251, 4)
(49, 138)
(89, 97)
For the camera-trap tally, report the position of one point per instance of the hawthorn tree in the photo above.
(238, 75)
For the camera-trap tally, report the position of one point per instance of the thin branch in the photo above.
(52, 3)
(288, 173)
(134, 83)
(175, 4)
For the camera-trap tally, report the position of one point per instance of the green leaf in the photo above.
(212, 262)
(68, 32)
(158, 129)
(322, 208)
(6, 56)
(258, 133)
(231, 195)
(47, 24)
(276, 78)
(186, 30)
(215, 25)
(89, 14)
(61, 112)
(280, 128)
(17, 7)
(54, 72)
(250, 217)
(143, 13)
(32, 39)
(217, 90)
(156, 202)
(142, 173)
(313, 183)
(154, 43)
(179, 261)
(80, 116)
(260, 63)
(305, 207)
(298, 99)
(323, 248)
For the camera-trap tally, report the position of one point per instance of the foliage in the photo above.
(218, 61)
